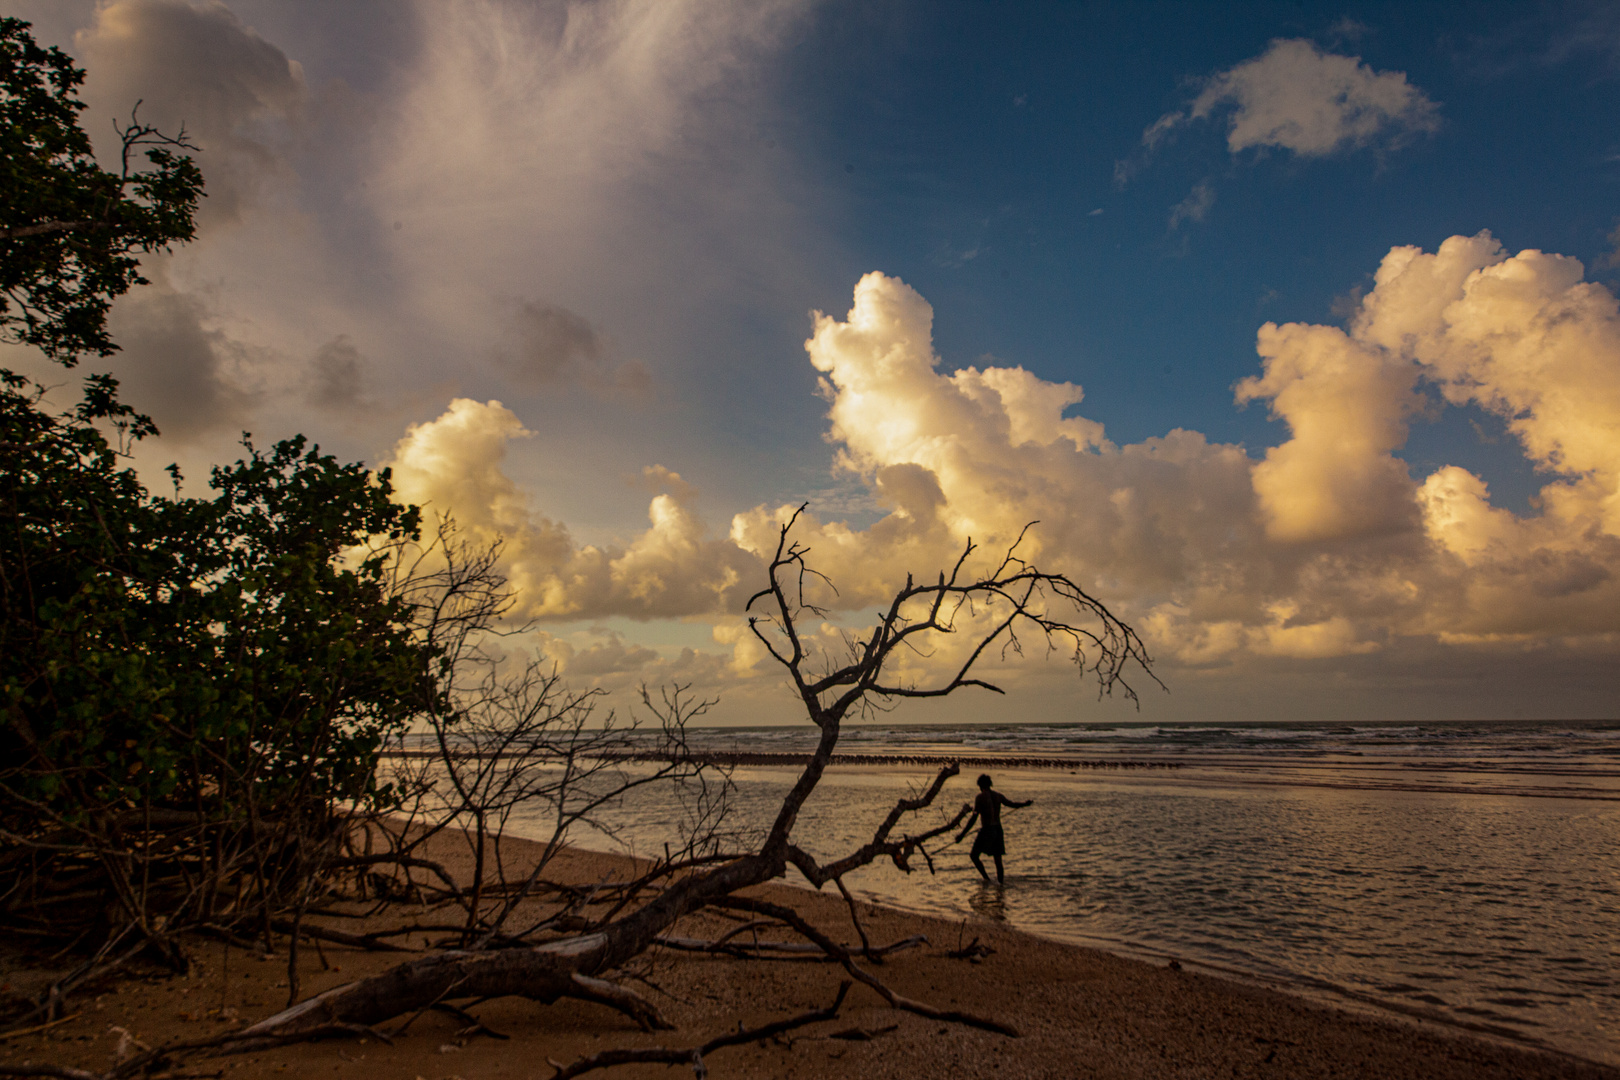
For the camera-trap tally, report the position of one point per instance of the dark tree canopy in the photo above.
(160, 650)
(229, 665)
(70, 230)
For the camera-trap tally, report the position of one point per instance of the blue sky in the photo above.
(995, 129)
(557, 263)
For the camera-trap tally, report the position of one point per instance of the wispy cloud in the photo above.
(1298, 98)
(1610, 259)
(1195, 207)
(548, 345)
(337, 377)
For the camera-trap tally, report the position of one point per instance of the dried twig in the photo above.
(842, 955)
(855, 917)
(694, 1056)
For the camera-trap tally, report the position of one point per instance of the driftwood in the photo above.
(569, 968)
(490, 960)
(1018, 597)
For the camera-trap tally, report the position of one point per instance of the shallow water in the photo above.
(1480, 887)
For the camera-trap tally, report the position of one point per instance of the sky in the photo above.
(1293, 325)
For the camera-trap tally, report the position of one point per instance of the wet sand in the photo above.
(1080, 1013)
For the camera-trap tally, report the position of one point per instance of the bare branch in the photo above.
(839, 953)
(695, 1055)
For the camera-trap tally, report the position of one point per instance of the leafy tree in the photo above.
(192, 690)
(69, 229)
(196, 650)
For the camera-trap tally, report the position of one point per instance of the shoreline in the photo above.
(1057, 760)
(1081, 1011)
(1337, 773)
(1319, 991)
(790, 759)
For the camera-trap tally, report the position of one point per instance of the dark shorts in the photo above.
(990, 841)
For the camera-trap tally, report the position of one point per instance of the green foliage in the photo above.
(69, 229)
(193, 652)
(234, 662)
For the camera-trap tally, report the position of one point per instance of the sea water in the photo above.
(1466, 872)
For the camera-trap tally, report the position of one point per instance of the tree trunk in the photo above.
(557, 969)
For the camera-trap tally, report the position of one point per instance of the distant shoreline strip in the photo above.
(964, 760)
(739, 758)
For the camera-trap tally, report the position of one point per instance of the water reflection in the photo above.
(1502, 911)
(990, 901)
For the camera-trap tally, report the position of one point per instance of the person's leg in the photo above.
(1001, 875)
(975, 857)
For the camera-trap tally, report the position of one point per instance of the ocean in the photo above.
(1464, 872)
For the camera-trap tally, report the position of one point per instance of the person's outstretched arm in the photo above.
(1015, 805)
(969, 826)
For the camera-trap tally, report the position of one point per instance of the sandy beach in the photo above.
(1079, 1012)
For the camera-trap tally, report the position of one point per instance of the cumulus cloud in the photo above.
(1297, 97)
(453, 466)
(1527, 338)
(603, 653)
(1347, 406)
(1168, 527)
(196, 65)
(1523, 336)
(1325, 547)
(980, 453)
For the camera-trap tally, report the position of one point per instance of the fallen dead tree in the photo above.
(1011, 602)
(594, 934)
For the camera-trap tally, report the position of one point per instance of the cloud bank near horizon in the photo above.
(1325, 547)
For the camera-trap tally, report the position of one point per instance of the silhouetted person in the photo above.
(987, 806)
